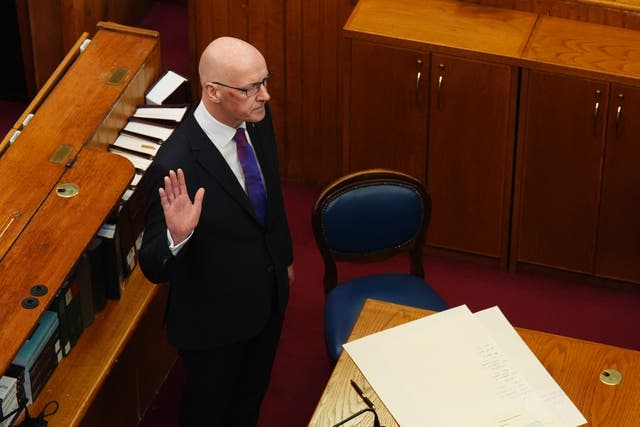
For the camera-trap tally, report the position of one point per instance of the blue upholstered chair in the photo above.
(367, 217)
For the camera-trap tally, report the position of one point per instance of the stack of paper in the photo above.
(456, 368)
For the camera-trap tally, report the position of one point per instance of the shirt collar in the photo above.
(219, 133)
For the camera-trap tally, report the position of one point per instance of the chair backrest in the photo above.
(370, 216)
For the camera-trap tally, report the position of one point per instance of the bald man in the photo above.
(224, 251)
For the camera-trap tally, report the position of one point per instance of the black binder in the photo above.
(83, 276)
(112, 257)
(97, 272)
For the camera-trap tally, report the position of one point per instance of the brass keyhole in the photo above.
(67, 189)
(611, 377)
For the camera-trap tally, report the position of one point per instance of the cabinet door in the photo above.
(618, 246)
(470, 158)
(560, 161)
(387, 106)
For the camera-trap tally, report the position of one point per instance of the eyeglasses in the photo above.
(251, 90)
(376, 420)
(371, 408)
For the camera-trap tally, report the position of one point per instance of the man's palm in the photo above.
(181, 215)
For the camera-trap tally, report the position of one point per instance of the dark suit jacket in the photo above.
(223, 281)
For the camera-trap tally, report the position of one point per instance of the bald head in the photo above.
(227, 58)
(228, 66)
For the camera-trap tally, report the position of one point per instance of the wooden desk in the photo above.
(575, 364)
(79, 113)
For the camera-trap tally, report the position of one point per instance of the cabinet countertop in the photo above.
(446, 23)
(503, 35)
(582, 45)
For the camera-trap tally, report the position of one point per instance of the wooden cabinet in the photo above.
(561, 143)
(471, 137)
(387, 102)
(576, 186)
(44, 231)
(449, 122)
(445, 117)
(618, 239)
(579, 195)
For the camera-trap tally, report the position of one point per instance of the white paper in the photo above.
(138, 162)
(526, 362)
(134, 143)
(447, 370)
(136, 179)
(161, 113)
(167, 84)
(149, 129)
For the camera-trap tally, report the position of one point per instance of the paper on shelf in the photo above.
(447, 370)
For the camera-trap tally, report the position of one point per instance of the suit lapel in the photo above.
(215, 167)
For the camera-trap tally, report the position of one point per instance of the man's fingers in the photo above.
(163, 198)
(182, 184)
(197, 200)
(168, 189)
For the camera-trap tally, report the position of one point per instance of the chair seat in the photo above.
(344, 302)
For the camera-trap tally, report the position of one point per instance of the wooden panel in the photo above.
(133, 373)
(300, 40)
(313, 41)
(47, 48)
(559, 171)
(607, 12)
(48, 29)
(150, 334)
(437, 23)
(295, 98)
(35, 258)
(585, 46)
(265, 25)
(116, 404)
(24, 27)
(618, 246)
(319, 72)
(84, 92)
(471, 145)
(390, 134)
(80, 16)
(311, 148)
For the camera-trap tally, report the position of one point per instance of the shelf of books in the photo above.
(96, 353)
(86, 319)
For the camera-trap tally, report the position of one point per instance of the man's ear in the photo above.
(212, 92)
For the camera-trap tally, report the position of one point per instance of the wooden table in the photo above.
(575, 364)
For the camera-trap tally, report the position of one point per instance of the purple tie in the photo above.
(252, 179)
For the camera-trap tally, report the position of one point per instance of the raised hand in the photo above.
(180, 213)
